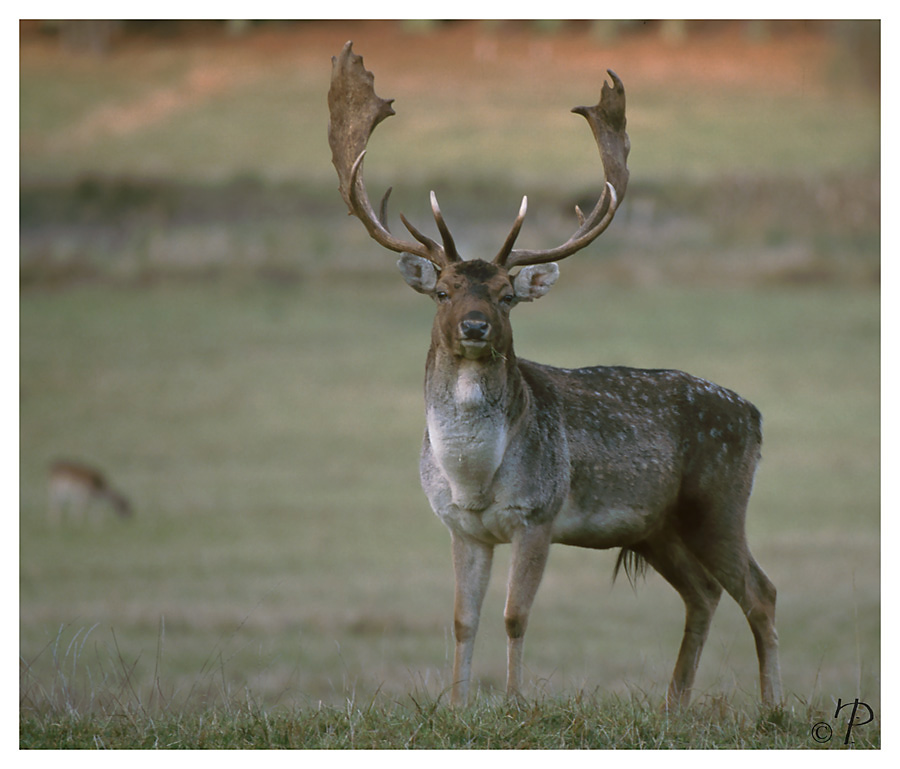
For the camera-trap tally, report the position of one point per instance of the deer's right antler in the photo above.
(355, 110)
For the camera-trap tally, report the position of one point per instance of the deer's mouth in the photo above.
(473, 349)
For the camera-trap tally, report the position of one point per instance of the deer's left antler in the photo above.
(607, 121)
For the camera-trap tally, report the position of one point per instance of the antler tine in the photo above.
(598, 212)
(355, 110)
(449, 245)
(580, 215)
(513, 233)
(583, 236)
(382, 209)
(429, 244)
(607, 122)
(376, 224)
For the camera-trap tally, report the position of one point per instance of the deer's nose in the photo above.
(474, 326)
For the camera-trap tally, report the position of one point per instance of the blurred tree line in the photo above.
(860, 39)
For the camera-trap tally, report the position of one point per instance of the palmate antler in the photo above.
(355, 110)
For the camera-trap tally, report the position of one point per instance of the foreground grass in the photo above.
(579, 723)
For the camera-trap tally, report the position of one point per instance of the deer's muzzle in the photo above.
(474, 335)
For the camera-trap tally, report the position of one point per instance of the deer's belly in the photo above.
(614, 526)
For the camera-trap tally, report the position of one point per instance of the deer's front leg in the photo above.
(530, 548)
(472, 567)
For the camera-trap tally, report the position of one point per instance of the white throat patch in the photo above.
(468, 438)
(469, 391)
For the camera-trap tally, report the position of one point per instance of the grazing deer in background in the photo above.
(75, 488)
(658, 463)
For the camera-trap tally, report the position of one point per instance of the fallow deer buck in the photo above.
(658, 463)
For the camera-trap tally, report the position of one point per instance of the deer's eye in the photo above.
(508, 299)
(441, 296)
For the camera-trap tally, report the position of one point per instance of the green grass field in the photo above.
(579, 722)
(282, 546)
(224, 341)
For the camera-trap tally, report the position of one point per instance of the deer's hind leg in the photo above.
(760, 613)
(720, 544)
(746, 582)
(700, 592)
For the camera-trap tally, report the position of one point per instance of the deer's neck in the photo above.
(490, 389)
(472, 410)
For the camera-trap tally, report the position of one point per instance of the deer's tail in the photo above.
(633, 563)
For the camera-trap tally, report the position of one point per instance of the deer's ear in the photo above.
(535, 281)
(418, 272)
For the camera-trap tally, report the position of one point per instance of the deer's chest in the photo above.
(467, 440)
(468, 451)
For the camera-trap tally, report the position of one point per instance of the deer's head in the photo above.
(473, 298)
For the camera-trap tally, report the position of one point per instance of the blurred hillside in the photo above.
(184, 148)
